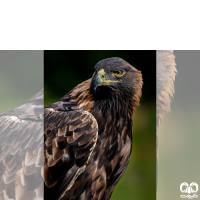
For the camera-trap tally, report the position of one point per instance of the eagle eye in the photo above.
(118, 73)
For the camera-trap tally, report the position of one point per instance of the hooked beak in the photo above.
(100, 79)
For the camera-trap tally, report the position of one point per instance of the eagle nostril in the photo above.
(102, 76)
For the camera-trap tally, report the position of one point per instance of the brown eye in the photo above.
(118, 72)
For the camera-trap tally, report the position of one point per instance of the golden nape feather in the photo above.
(165, 77)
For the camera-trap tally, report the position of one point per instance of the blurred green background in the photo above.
(66, 69)
(21, 77)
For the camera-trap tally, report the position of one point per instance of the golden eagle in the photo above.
(88, 133)
(21, 151)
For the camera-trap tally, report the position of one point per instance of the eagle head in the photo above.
(115, 75)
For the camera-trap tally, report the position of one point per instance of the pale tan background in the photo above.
(179, 134)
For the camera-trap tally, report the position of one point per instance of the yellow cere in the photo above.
(108, 81)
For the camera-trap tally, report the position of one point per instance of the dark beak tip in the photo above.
(94, 83)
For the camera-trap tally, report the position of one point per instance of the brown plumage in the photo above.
(21, 151)
(88, 133)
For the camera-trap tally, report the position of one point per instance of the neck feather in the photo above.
(108, 102)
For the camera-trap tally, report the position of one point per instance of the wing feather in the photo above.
(21, 151)
(70, 137)
(21, 157)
